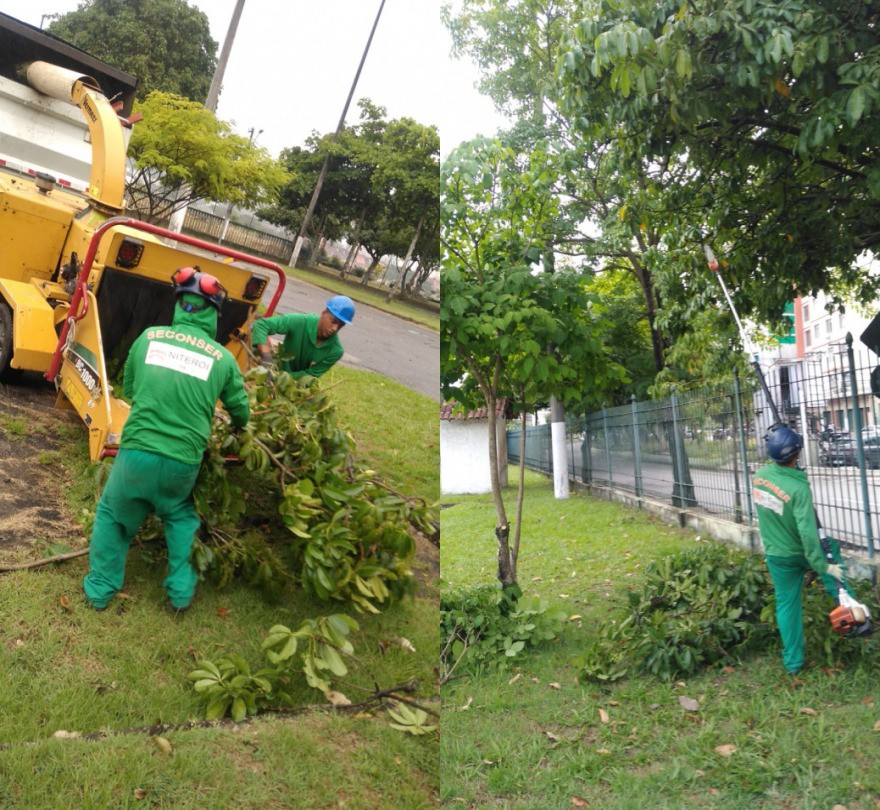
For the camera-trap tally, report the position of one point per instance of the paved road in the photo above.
(376, 341)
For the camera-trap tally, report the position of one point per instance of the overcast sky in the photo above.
(293, 62)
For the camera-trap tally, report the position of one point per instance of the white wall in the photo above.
(464, 456)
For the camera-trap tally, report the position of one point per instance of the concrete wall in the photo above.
(464, 456)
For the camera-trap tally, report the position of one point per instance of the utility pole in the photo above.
(176, 222)
(323, 173)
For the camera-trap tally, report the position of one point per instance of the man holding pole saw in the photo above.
(793, 538)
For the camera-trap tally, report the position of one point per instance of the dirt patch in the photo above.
(33, 475)
(34, 437)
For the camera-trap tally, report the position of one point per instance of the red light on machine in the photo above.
(253, 290)
(129, 253)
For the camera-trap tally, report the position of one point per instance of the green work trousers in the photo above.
(140, 482)
(787, 574)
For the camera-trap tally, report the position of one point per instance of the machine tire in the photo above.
(5, 338)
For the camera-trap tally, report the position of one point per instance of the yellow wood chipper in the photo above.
(79, 280)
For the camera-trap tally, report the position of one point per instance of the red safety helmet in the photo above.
(193, 280)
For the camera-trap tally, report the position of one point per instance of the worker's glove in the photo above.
(266, 360)
(835, 571)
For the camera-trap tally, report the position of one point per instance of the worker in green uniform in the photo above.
(311, 342)
(174, 376)
(787, 522)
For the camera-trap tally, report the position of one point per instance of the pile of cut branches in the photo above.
(295, 504)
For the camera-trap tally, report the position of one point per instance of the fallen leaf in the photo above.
(337, 698)
(467, 704)
(139, 793)
(535, 680)
(729, 670)
(121, 595)
(725, 750)
(604, 751)
(563, 596)
(682, 684)
(163, 745)
(688, 703)
(699, 773)
(537, 579)
(654, 706)
(868, 701)
(574, 617)
(809, 711)
(577, 801)
(221, 612)
(839, 807)
(613, 702)
(551, 736)
(65, 605)
(406, 644)
(362, 716)
(61, 734)
(555, 685)
(877, 726)
(514, 679)
(603, 715)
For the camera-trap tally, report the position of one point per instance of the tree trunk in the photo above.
(355, 246)
(373, 264)
(409, 253)
(506, 562)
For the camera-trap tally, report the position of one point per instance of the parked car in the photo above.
(870, 432)
(841, 453)
(845, 453)
(872, 452)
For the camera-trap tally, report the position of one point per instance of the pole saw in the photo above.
(850, 618)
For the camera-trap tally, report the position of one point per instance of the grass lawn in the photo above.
(536, 735)
(374, 296)
(116, 677)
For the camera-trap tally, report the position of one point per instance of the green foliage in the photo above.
(773, 109)
(380, 186)
(166, 44)
(411, 720)
(347, 532)
(315, 650)
(507, 329)
(486, 626)
(695, 608)
(182, 153)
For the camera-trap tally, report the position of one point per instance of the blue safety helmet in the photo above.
(192, 280)
(783, 443)
(342, 308)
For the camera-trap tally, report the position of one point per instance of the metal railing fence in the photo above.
(698, 448)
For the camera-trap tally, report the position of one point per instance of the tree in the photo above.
(612, 200)
(774, 108)
(407, 175)
(166, 44)
(380, 189)
(182, 153)
(507, 328)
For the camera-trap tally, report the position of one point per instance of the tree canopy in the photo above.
(380, 189)
(773, 110)
(166, 44)
(749, 124)
(181, 153)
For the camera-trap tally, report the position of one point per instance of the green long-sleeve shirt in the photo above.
(786, 515)
(174, 376)
(302, 353)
